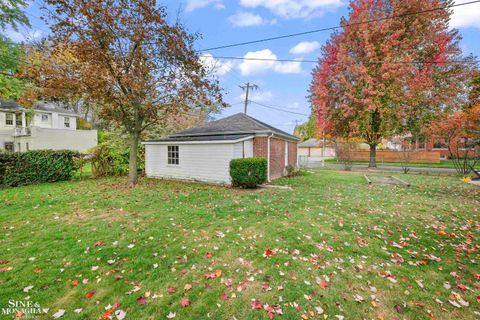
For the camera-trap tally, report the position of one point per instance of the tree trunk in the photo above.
(373, 156)
(133, 161)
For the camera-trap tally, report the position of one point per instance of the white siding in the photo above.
(243, 149)
(59, 139)
(202, 162)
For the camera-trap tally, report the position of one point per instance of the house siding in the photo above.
(201, 162)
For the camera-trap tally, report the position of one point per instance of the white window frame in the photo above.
(173, 155)
(11, 120)
(45, 117)
(66, 122)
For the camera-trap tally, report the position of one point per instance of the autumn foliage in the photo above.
(389, 76)
(461, 133)
(139, 68)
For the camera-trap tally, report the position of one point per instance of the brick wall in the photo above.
(277, 158)
(292, 153)
(260, 147)
(277, 154)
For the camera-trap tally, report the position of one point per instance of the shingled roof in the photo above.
(238, 124)
(11, 105)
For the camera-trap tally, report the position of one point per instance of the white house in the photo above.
(204, 153)
(46, 126)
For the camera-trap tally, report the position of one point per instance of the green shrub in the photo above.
(37, 166)
(248, 172)
(111, 159)
(293, 171)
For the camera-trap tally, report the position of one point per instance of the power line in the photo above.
(278, 108)
(371, 62)
(338, 27)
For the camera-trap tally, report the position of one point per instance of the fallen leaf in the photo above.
(120, 314)
(185, 302)
(171, 289)
(187, 287)
(171, 315)
(141, 300)
(90, 294)
(58, 314)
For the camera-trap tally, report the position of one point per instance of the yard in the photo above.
(333, 246)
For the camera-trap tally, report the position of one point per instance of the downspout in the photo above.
(268, 157)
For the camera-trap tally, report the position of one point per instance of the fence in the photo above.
(397, 156)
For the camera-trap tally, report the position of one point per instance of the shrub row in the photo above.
(17, 169)
(248, 172)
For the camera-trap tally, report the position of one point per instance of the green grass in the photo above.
(332, 224)
(442, 164)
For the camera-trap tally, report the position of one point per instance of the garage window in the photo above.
(173, 155)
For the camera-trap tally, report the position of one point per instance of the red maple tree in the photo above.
(390, 75)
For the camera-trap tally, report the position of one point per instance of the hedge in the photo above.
(17, 169)
(248, 172)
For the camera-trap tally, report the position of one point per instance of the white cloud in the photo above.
(247, 19)
(305, 47)
(16, 36)
(216, 66)
(466, 16)
(291, 9)
(199, 4)
(249, 67)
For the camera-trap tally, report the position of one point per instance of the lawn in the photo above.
(332, 247)
(442, 164)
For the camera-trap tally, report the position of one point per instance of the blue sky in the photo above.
(281, 84)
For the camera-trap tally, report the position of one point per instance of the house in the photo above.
(204, 153)
(45, 126)
(314, 148)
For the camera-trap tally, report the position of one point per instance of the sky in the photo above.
(281, 85)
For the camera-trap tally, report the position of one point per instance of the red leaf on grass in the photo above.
(38, 270)
(171, 289)
(185, 302)
(99, 243)
(107, 314)
(268, 252)
(256, 304)
(90, 294)
(141, 300)
(208, 255)
(74, 282)
(323, 284)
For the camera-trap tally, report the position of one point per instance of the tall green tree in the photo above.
(11, 15)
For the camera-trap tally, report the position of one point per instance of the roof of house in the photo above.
(238, 124)
(223, 137)
(313, 143)
(41, 106)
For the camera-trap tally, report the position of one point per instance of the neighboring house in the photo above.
(314, 148)
(204, 153)
(45, 126)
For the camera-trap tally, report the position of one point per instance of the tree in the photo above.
(474, 94)
(11, 14)
(461, 133)
(306, 130)
(389, 76)
(11, 55)
(136, 66)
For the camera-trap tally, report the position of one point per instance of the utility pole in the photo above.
(247, 88)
